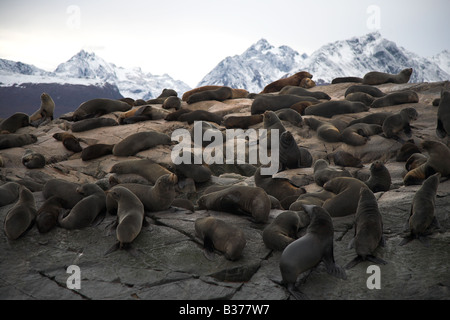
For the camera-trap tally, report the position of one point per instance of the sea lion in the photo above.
(283, 229)
(128, 100)
(200, 115)
(323, 172)
(373, 91)
(271, 121)
(65, 190)
(331, 108)
(163, 96)
(399, 122)
(307, 83)
(172, 102)
(45, 111)
(146, 168)
(154, 198)
(325, 130)
(443, 115)
(84, 213)
(198, 172)
(291, 155)
(422, 218)
(298, 91)
(13, 140)
(48, 213)
(242, 122)
(347, 191)
(359, 133)
(373, 118)
(395, 98)
(252, 200)
(220, 94)
(21, 216)
(33, 160)
(291, 116)
(98, 107)
(276, 102)
(173, 116)
(346, 79)
(301, 106)
(345, 159)
(134, 115)
(308, 251)
(140, 141)
(293, 80)
(311, 198)
(96, 151)
(220, 235)
(363, 97)
(236, 93)
(415, 160)
(368, 229)
(380, 178)
(184, 204)
(69, 141)
(9, 192)
(90, 124)
(15, 122)
(376, 78)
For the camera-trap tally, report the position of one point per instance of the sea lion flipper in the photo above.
(353, 263)
(297, 294)
(208, 249)
(332, 267)
(375, 259)
(440, 131)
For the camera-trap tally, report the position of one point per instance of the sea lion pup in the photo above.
(85, 212)
(376, 78)
(242, 122)
(130, 216)
(422, 218)
(33, 160)
(359, 133)
(331, 108)
(69, 141)
(347, 196)
(90, 124)
(373, 118)
(395, 98)
(65, 190)
(45, 111)
(264, 103)
(291, 155)
(96, 108)
(399, 122)
(15, 122)
(380, 178)
(415, 160)
(96, 151)
(293, 80)
(368, 230)
(172, 102)
(9, 192)
(140, 141)
(235, 199)
(200, 115)
(298, 91)
(363, 97)
(163, 96)
(308, 251)
(346, 79)
(283, 229)
(323, 172)
(325, 130)
(154, 198)
(373, 91)
(345, 159)
(271, 121)
(48, 213)
(13, 140)
(220, 235)
(443, 115)
(221, 94)
(280, 188)
(146, 168)
(21, 216)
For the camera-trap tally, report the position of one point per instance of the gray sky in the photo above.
(186, 39)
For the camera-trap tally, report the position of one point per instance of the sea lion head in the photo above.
(410, 113)
(166, 182)
(307, 83)
(376, 166)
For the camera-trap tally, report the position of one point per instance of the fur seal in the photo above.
(172, 102)
(45, 111)
(291, 155)
(98, 107)
(307, 83)
(200, 115)
(198, 172)
(21, 216)
(363, 97)
(399, 122)
(146, 168)
(84, 213)
(346, 79)
(236, 93)
(69, 141)
(48, 213)
(311, 198)
(33, 160)
(13, 140)
(65, 190)
(443, 115)
(271, 121)
(135, 115)
(301, 106)
(373, 118)
(373, 91)
(415, 160)
(376, 78)
(291, 116)
(347, 191)
(173, 116)
(15, 122)
(242, 122)
(331, 108)
(252, 200)
(163, 96)
(395, 98)
(422, 217)
(345, 159)
(299, 91)
(359, 133)
(308, 251)
(325, 130)
(220, 94)
(220, 235)
(9, 192)
(368, 229)
(283, 229)
(264, 103)
(90, 124)
(380, 178)
(323, 172)
(293, 80)
(96, 151)
(140, 141)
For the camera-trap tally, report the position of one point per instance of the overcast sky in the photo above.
(186, 39)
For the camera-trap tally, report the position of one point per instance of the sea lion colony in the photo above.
(185, 183)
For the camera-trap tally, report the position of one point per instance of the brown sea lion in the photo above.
(395, 98)
(45, 111)
(373, 118)
(90, 124)
(346, 79)
(13, 140)
(292, 156)
(415, 160)
(373, 91)
(173, 116)
(363, 97)
(359, 133)
(146, 168)
(380, 178)
(9, 192)
(163, 96)
(291, 116)
(200, 115)
(443, 115)
(15, 122)
(69, 141)
(298, 91)
(323, 172)
(96, 151)
(301, 106)
(21, 216)
(221, 94)
(48, 213)
(293, 80)
(140, 141)
(172, 102)
(345, 159)
(264, 103)
(311, 198)
(33, 160)
(376, 78)
(407, 150)
(98, 107)
(331, 108)
(325, 130)
(307, 83)
(399, 122)
(65, 190)
(242, 122)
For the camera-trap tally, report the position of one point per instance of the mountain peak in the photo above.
(262, 44)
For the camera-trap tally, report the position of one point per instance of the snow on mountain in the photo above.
(442, 59)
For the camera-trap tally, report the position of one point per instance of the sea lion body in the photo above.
(325, 130)
(363, 97)
(9, 192)
(220, 94)
(45, 111)
(33, 160)
(373, 91)
(373, 118)
(395, 98)
(299, 91)
(48, 213)
(380, 178)
(166, 93)
(94, 123)
(359, 133)
(311, 198)
(291, 155)
(376, 78)
(399, 122)
(146, 168)
(200, 115)
(172, 102)
(14, 140)
(346, 79)
(70, 142)
(63, 189)
(96, 151)
(443, 115)
(323, 172)
(276, 102)
(283, 230)
(345, 159)
(330, 108)
(15, 122)
(21, 216)
(290, 115)
(99, 107)
(242, 122)
(140, 141)
(277, 187)
(293, 80)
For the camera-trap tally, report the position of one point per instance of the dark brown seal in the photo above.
(443, 115)
(64, 190)
(345, 159)
(380, 178)
(21, 216)
(242, 122)
(325, 131)
(146, 168)
(264, 103)
(376, 78)
(9, 192)
(346, 79)
(293, 80)
(199, 115)
(69, 141)
(373, 118)
(90, 124)
(15, 122)
(373, 91)
(291, 155)
(140, 141)
(221, 94)
(323, 172)
(359, 133)
(98, 107)
(400, 122)
(48, 213)
(363, 97)
(395, 98)
(331, 108)
(13, 140)
(33, 160)
(96, 151)
(298, 91)
(172, 103)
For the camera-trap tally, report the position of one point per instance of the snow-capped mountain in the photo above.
(442, 59)
(262, 63)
